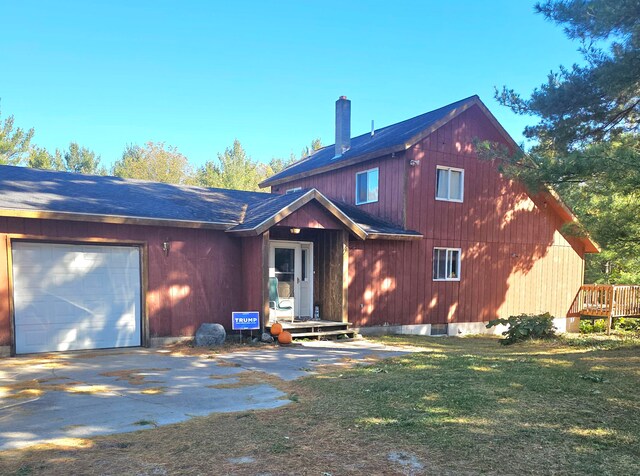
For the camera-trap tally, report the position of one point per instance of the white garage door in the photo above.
(70, 297)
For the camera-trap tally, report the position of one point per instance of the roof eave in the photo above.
(113, 219)
(338, 165)
(394, 236)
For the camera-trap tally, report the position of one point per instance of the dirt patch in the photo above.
(134, 376)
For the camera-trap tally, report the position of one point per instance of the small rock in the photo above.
(266, 337)
(209, 335)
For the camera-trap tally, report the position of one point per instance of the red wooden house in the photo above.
(402, 229)
(486, 248)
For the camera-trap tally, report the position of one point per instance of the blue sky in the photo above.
(198, 74)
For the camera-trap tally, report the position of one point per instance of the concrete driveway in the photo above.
(77, 395)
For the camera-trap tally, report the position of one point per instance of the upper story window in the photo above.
(291, 190)
(449, 184)
(367, 186)
(446, 264)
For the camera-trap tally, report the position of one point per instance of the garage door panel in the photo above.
(88, 298)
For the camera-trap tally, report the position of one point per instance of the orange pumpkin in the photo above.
(276, 329)
(284, 337)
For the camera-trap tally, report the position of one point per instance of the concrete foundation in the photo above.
(563, 324)
(163, 341)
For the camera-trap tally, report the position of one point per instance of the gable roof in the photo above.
(390, 139)
(267, 213)
(401, 136)
(34, 193)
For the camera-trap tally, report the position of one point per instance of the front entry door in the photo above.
(291, 262)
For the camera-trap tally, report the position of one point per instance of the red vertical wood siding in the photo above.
(201, 279)
(514, 258)
(341, 185)
(252, 274)
(312, 215)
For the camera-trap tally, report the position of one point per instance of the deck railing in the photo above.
(606, 301)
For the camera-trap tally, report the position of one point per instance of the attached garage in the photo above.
(75, 296)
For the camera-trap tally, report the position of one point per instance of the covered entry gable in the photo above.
(272, 212)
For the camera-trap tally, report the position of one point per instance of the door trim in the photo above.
(297, 246)
(143, 267)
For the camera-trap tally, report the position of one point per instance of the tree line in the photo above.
(587, 138)
(155, 161)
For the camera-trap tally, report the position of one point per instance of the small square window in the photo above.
(449, 184)
(446, 264)
(367, 186)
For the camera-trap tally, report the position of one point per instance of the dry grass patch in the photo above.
(226, 363)
(24, 389)
(38, 387)
(247, 379)
(189, 349)
(154, 391)
(134, 376)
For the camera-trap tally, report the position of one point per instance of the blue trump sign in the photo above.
(245, 321)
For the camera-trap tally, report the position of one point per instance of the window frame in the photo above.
(449, 170)
(292, 190)
(374, 169)
(447, 251)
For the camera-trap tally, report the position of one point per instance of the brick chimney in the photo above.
(343, 125)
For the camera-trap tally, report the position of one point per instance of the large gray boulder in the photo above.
(209, 335)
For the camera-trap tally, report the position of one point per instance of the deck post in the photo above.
(610, 316)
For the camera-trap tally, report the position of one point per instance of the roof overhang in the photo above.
(112, 219)
(565, 213)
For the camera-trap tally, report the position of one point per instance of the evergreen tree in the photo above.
(14, 142)
(587, 138)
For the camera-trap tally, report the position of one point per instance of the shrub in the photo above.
(587, 327)
(629, 324)
(525, 326)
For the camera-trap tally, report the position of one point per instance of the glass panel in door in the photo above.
(284, 264)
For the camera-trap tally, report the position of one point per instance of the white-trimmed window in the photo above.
(446, 264)
(291, 190)
(449, 184)
(367, 186)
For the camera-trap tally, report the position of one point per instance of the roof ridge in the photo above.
(365, 145)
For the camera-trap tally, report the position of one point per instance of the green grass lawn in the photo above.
(459, 406)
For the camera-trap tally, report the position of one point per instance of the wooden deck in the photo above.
(606, 301)
(316, 329)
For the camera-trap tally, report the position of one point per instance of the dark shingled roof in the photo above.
(34, 190)
(258, 212)
(395, 135)
(372, 224)
(23, 188)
